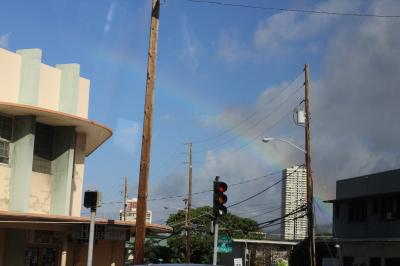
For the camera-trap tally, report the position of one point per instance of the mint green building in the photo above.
(45, 135)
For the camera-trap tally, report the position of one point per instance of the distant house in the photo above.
(131, 211)
(366, 219)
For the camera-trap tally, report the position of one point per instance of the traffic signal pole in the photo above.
(216, 227)
(140, 232)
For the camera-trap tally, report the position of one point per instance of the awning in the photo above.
(21, 217)
(96, 134)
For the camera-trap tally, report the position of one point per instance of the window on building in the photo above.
(390, 208)
(337, 209)
(374, 261)
(348, 261)
(5, 138)
(392, 261)
(43, 149)
(375, 206)
(357, 211)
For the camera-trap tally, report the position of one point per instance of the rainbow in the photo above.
(195, 99)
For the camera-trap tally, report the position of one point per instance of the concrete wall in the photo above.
(49, 87)
(5, 171)
(77, 179)
(24, 79)
(10, 69)
(378, 183)
(40, 197)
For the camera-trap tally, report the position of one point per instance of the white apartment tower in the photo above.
(294, 196)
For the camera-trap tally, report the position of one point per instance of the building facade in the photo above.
(45, 136)
(131, 205)
(294, 196)
(250, 252)
(366, 219)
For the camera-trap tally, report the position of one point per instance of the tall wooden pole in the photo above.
(310, 207)
(146, 137)
(125, 196)
(189, 208)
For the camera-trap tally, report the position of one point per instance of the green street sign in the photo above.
(224, 244)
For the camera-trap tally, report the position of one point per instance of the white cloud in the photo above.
(109, 18)
(4, 39)
(278, 32)
(230, 47)
(192, 47)
(127, 135)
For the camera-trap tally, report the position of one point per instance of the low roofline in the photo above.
(362, 197)
(7, 216)
(277, 242)
(96, 133)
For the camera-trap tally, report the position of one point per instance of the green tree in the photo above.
(202, 239)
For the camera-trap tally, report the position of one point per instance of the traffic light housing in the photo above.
(219, 199)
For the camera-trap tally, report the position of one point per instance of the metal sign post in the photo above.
(91, 236)
(91, 200)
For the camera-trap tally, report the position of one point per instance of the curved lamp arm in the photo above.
(286, 141)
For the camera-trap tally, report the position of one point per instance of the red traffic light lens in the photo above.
(222, 187)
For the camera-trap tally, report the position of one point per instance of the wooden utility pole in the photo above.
(189, 209)
(125, 196)
(146, 137)
(310, 207)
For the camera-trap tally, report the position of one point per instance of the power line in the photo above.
(210, 190)
(257, 123)
(248, 143)
(164, 163)
(267, 212)
(299, 209)
(248, 117)
(262, 191)
(295, 10)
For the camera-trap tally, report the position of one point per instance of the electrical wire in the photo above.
(295, 10)
(297, 210)
(248, 117)
(262, 191)
(257, 123)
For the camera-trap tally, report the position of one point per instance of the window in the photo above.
(390, 208)
(374, 261)
(357, 211)
(5, 138)
(337, 209)
(392, 261)
(375, 207)
(43, 149)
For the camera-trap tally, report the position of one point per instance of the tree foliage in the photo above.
(201, 237)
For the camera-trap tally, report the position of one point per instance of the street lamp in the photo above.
(284, 140)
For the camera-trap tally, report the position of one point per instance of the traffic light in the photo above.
(219, 198)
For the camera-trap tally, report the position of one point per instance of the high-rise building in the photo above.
(294, 197)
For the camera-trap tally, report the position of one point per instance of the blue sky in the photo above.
(215, 66)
